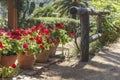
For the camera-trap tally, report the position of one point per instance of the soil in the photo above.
(105, 65)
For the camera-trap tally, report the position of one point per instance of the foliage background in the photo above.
(60, 8)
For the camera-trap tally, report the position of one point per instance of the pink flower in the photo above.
(25, 45)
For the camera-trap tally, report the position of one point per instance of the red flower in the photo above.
(42, 46)
(1, 34)
(51, 41)
(17, 30)
(15, 35)
(13, 66)
(72, 34)
(33, 28)
(8, 32)
(39, 26)
(30, 32)
(59, 26)
(1, 31)
(24, 32)
(31, 39)
(45, 31)
(56, 40)
(25, 45)
(1, 45)
(39, 40)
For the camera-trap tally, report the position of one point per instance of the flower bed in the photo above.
(35, 39)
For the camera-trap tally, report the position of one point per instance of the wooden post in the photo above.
(99, 23)
(84, 24)
(84, 43)
(12, 14)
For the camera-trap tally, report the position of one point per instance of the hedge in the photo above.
(50, 21)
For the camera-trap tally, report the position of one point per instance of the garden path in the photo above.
(105, 65)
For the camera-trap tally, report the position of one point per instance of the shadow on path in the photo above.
(104, 66)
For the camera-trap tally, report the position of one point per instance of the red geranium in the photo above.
(13, 66)
(25, 45)
(15, 35)
(45, 31)
(39, 40)
(33, 29)
(23, 32)
(56, 39)
(8, 32)
(39, 26)
(51, 41)
(42, 46)
(72, 34)
(1, 45)
(1, 32)
(59, 26)
(31, 39)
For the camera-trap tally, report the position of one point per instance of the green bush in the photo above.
(111, 23)
(70, 24)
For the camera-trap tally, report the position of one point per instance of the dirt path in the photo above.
(104, 66)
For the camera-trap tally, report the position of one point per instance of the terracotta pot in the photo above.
(43, 56)
(8, 60)
(53, 49)
(26, 60)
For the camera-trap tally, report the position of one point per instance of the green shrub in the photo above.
(70, 24)
(111, 23)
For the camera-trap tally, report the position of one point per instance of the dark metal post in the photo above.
(84, 21)
(84, 43)
(99, 23)
(84, 24)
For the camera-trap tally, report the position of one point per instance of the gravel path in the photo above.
(104, 66)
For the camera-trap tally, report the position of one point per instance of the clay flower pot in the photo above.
(8, 60)
(43, 56)
(26, 60)
(53, 49)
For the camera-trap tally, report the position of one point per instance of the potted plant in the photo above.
(8, 72)
(41, 36)
(29, 43)
(7, 54)
(59, 36)
(23, 47)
